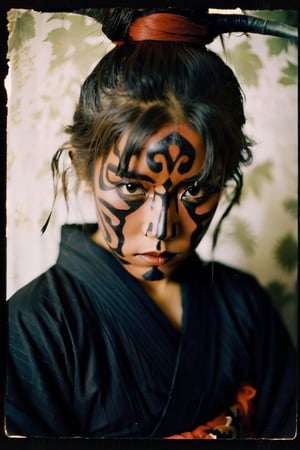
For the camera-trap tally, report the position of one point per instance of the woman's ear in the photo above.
(72, 154)
(79, 165)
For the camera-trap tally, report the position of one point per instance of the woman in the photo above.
(130, 334)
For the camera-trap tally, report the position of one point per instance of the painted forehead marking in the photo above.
(173, 152)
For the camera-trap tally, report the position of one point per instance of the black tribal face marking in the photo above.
(156, 202)
(161, 159)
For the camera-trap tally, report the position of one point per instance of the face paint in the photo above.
(152, 217)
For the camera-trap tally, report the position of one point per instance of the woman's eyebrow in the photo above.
(203, 177)
(132, 175)
(200, 177)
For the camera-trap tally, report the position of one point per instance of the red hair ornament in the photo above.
(168, 27)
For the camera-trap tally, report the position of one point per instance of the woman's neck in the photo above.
(166, 294)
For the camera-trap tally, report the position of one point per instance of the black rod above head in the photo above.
(227, 23)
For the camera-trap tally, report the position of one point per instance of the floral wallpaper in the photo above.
(50, 54)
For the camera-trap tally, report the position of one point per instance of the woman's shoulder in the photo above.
(235, 287)
(49, 308)
(219, 272)
(45, 293)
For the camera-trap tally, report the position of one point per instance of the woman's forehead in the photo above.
(175, 151)
(187, 133)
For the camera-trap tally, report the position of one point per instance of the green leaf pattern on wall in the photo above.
(247, 63)
(291, 206)
(289, 74)
(71, 44)
(49, 57)
(285, 252)
(256, 177)
(243, 235)
(21, 29)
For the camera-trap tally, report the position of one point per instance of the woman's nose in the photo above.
(163, 218)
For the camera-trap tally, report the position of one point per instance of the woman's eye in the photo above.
(193, 193)
(199, 193)
(132, 190)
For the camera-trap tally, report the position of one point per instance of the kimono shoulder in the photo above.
(50, 332)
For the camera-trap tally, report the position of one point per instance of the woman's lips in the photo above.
(155, 258)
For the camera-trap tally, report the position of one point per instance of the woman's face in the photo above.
(154, 216)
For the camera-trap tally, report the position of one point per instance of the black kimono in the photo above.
(92, 355)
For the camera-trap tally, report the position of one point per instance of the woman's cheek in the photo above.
(135, 224)
(210, 205)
